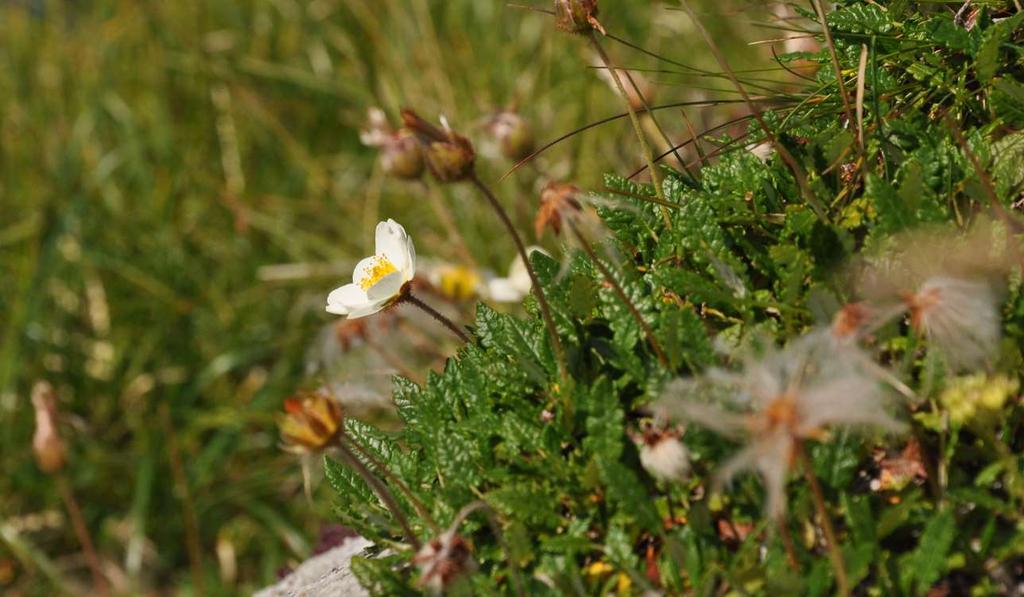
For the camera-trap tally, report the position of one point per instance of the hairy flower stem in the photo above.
(381, 490)
(421, 510)
(448, 323)
(82, 532)
(589, 250)
(836, 556)
(645, 147)
(535, 287)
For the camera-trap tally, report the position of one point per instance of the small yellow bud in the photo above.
(311, 422)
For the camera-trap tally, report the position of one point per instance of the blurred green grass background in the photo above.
(157, 157)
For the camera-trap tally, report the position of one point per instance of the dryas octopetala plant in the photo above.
(827, 320)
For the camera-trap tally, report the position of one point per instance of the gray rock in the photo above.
(327, 574)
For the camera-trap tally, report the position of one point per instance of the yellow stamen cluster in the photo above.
(381, 267)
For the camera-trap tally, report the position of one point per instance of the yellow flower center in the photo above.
(381, 267)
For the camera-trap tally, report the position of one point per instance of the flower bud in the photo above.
(577, 16)
(663, 456)
(46, 442)
(402, 156)
(513, 135)
(311, 423)
(444, 560)
(448, 155)
(400, 153)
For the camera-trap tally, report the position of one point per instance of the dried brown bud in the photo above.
(444, 560)
(402, 156)
(577, 16)
(46, 442)
(311, 423)
(513, 134)
(559, 207)
(448, 155)
(400, 153)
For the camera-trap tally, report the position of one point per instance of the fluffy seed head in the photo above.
(780, 397)
(960, 317)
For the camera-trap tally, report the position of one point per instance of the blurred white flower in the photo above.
(516, 286)
(783, 397)
(452, 281)
(379, 280)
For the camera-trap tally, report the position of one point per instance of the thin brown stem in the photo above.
(448, 323)
(535, 287)
(831, 544)
(421, 509)
(794, 166)
(645, 147)
(847, 107)
(787, 544)
(621, 293)
(82, 533)
(382, 492)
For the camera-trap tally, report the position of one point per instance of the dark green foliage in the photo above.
(742, 255)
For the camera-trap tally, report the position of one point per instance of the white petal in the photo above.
(368, 309)
(392, 242)
(385, 288)
(342, 300)
(410, 265)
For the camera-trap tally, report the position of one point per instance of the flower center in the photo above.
(920, 304)
(381, 267)
(781, 412)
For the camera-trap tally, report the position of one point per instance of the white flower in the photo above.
(377, 281)
(664, 456)
(517, 285)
